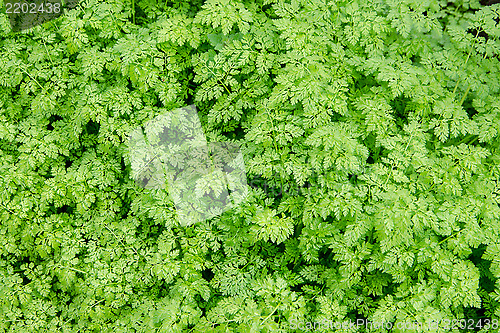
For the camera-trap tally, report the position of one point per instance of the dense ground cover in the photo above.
(370, 131)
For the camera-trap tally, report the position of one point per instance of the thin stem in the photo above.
(147, 163)
(31, 77)
(464, 139)
(466, 60)
(393, 164)
(221, 81)
(468, 87)
(5, 207)
(73, 269)
(404, 151)
(102, 300)
(450, 236)
(119, 238)
(474, 139)
(275, 145)
(48, 53)
(276, 308)
(465, 95)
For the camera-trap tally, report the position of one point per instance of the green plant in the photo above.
(379, 121)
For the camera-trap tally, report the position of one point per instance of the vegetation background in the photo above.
(375, 122)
